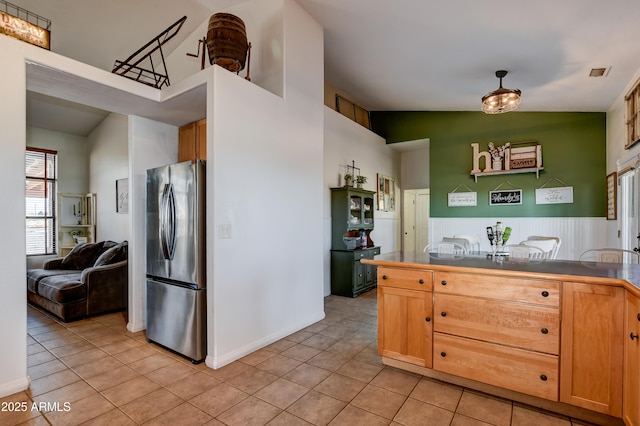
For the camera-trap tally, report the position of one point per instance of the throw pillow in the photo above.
(82, 256)
(115, 254)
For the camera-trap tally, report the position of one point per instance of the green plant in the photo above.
(348, 176)
(76, 233)
(361, 179)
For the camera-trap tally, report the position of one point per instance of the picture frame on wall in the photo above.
(612, 196)
(386, 193)
(122, 196)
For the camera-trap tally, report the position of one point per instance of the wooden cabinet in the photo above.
(351, 215)
(592, 347)
(498, 330)
(76, 221)
(405, 316)
(631, 370)
(192, 143)
(350, 277)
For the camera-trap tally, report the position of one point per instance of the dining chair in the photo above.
(472, 240)
(443, 249)
(462, 241)
(547, 246)
(558, 241)
(524, 253)
(610, 255)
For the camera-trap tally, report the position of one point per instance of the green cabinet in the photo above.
(350, 277)
(352, 214)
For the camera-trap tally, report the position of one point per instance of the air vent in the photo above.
(599, 72)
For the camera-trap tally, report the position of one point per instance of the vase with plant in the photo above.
(360, 180)
(75, 233)
(348, 180)
(497, 154)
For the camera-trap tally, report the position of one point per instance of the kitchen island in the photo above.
(560, 335)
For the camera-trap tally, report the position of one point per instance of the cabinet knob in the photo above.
(543, 377)
(443, 354)
(545, 294)
(443, 282)
(633, 336)
(443, 313)
(384, 277)
(544, 331)
(428, 319)
(421, 281)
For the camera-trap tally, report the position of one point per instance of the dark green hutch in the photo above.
(352, 214)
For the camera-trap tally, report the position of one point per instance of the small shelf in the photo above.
(535, 170)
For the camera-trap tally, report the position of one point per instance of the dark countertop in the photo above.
(620, 274)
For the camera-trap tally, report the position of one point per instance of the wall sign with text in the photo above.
(462, 199)
(559, 195)
(509, 197)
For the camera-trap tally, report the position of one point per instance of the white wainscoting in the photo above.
(577, 233)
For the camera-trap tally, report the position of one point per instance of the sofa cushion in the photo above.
(62, 288)
(114, 254)
(82, 256)
(34, 276)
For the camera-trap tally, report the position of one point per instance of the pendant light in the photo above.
(501, 100)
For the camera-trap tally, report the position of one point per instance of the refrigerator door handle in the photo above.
(168, 222)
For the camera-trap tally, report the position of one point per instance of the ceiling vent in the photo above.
(599, 72)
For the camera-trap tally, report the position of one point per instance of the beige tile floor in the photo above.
(95, 372)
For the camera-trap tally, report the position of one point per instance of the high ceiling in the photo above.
(407, 54)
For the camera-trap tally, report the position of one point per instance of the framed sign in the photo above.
(612, 202)
(386, 193)
(462, 199)
(122, 195)
(560, 195)
(508, 197)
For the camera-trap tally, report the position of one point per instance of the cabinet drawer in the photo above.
(514, 324)
(522, 371)
(405, 278)
(539, 292)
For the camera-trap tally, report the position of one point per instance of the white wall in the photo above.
(264, 181)
(263, 23)
(344, 141)
(13, 303)
(415, 169)
(150, 144)
(109, 161)
(616, 139)
(73, 167)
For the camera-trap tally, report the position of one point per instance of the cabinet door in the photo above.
(405, 326)
(358, 276)
(187, 142)
(592, 347)
(631, 385)
(201, 139)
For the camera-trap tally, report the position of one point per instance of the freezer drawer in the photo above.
(176, 318)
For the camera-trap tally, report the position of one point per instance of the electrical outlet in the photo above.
(224, 231)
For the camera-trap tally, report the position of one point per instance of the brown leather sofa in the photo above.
(92, 279)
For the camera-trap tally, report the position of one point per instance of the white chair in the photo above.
(446, 250)
(524, 253)
(547, 246)
(473, 241)
(462, 241)
(610, 255)
(558, 241)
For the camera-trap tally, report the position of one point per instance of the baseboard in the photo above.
(216, 362)
(19, 385)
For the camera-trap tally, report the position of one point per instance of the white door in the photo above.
(409, 220)
(629, 209)
(422, 218)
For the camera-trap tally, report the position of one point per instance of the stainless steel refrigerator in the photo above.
(176, 258)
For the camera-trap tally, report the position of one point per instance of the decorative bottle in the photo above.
(363, 239)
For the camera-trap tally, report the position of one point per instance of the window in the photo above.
(40, 194)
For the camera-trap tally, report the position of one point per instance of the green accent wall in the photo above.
(573, 151)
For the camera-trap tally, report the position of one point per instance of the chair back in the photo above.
(558, 241)
(472, 240)
(444, 249)
(547, 246)
(610, 255)
(462, 241)
(522, 252)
